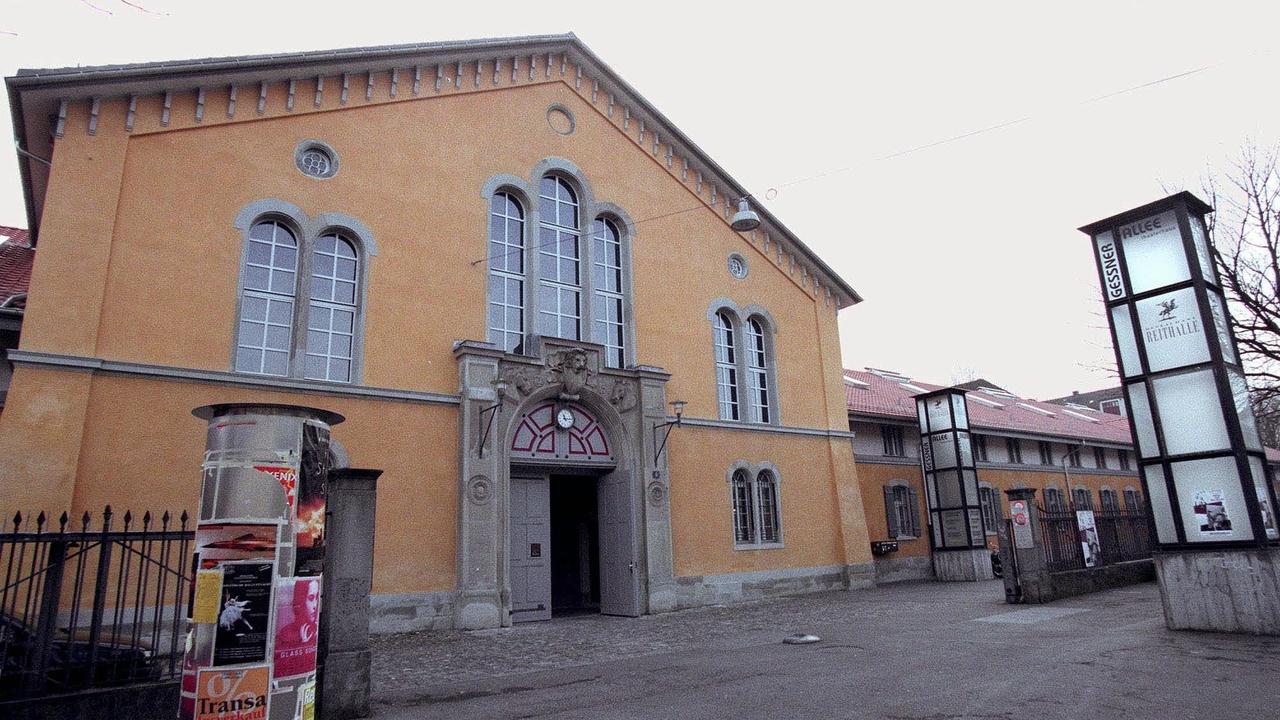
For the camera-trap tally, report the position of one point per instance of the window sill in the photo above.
(906, 538)
(758, 546)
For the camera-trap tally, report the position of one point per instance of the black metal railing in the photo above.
(83, 608)
(1120, 536)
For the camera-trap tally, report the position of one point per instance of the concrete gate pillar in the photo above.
(348, 581)
(1026, 578)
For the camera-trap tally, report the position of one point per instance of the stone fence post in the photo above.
(344, 655)
(1026, 578)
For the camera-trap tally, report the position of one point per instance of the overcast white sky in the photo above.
(966, 252)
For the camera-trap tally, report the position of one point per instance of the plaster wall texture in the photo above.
(1225, 591)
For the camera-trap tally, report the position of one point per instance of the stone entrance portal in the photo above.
(536, 432)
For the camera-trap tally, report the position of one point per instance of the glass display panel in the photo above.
(976, 535)
(953, 529)
(970, 487)
(1268, 511)
(1211, 498)
(1154, 478)
(1140, 414)
(948, 489)
(1202, 250)
(930, 492)
(1190, 413)
(924, 427)
(966, 447)
(1221, 326)
(937, 531)
(939, 410)
(1112, 280)
(1244, 408)
(961, 411)
(1153, 252)
(1127, 346)
(1172, 330)
(944, 450)
(926, 454)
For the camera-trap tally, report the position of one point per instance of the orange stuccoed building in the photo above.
(501, 264)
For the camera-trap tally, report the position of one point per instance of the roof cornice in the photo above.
(36, 96)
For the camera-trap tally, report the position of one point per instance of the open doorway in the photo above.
(575, 546)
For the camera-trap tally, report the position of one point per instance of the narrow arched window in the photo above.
(608, 323)
(770, 517)
(1053, 500)
(744, 512)
(506, 273)
(1082, 499)
(1109, 501)
(265, 335)
(331, 316)
(1132, 500)
(560, 252)
(726, 367)
(757, 372)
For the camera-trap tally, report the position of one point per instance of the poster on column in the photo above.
(1087, 531)
(312, 490)
(1211, 511)
(297, 626)
(232, 694)
(241, 634)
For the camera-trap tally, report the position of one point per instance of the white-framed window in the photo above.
(608, 325)
(757, 372)
(559, 252)
(891, 439)
(1132, 500)
(979, 448)
(726, 367)
(902, 511)
(989, 497)
(1014, 447)
(1100, 458)
(1112, 407)
(1053, 500)
(1046, 452)
(294, 327)
(1082, 498)
(757, 512)
(506, 272)
(1124, 459)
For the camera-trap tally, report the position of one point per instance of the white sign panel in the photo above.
(1153, 252)
(1172, 330)
(1087, 529)
(1112, 280)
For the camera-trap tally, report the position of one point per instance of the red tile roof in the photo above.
(16, 258)
(868, 393)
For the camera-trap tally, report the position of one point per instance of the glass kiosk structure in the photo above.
(1200, 455)
(956, 532)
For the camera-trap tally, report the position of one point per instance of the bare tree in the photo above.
(1246, 248)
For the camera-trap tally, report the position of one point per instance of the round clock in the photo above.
(564, 418)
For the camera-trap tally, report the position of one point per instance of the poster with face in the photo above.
(241, 631)
(297, 626)
(1212, 513)
(313, 487)
(1087, 531)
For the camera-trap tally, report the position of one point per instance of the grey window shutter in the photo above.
(891, 517)
(914, 510)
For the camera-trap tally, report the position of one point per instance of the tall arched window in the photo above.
(1082, 498)
(301, 294)
(757, 372)
(1132, 500)
(506, 272)
(1109, 501)
(744, 511)
(331, 317)
(265, 340)
(770, 517)
(1053, 501)
(559, 247)
(606, 275)
(726, 367)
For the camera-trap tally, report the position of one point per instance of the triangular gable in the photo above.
(220, 90)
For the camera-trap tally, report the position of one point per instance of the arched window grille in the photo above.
(506, 273)
(744, 512)
(757, 372)
(1132, 500)
(559, 250)
(1109, 501)
(726, 367)
(1082, 498)
(1053, 501)
(770, 518)
(607, 324)
(265, 339)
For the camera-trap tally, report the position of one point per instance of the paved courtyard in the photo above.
(918, 651)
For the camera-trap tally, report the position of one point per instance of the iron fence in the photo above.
(1118, 536)
(82, 608)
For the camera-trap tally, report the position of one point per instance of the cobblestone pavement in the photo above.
(919, 651)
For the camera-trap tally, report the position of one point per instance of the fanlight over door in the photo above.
(540, 439)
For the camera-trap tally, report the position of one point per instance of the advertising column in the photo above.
(958, 537)
(259, 552)
(1201, 458)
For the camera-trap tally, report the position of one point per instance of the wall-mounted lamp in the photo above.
(677, 406)
(487, 415)
(745, 219)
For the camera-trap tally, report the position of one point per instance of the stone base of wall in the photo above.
(891, 569)
(153, 701)
(962, 565)
(1079, 582)
(408, 612)
(1222, 590)
(728, 588)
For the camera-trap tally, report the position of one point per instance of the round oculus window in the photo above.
(316, 160)
(561, 120)
(737, 266)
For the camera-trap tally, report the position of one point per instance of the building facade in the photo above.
(498, 262)
(1075, 457)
